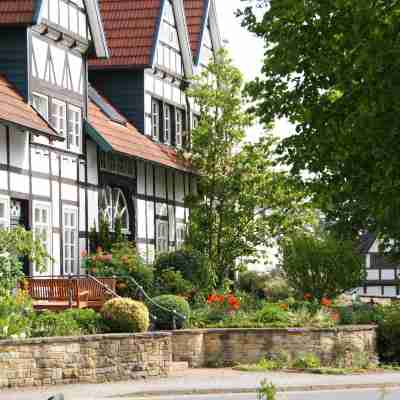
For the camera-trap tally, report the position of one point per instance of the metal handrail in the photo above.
(115, 294)
(150, 300)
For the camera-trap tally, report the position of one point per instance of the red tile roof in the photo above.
(14, 110)
(128, 140)
(195, 13)
(130, 27)
(16, 12)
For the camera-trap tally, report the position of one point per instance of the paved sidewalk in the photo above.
(204, 381)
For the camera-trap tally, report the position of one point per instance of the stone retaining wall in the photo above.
(91, 359)
(225, 347)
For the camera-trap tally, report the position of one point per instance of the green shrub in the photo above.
(274, 315)
(49, 324)
(172, 282)
(89, 321)
(306, 361)
(320, 266)
(173, 303)
(267, 391)
(276, 288)
(16, 314)
(125, 315)
(190, 263)
(252, 282)
(389, 334)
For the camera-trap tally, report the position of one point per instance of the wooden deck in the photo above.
(61, 293)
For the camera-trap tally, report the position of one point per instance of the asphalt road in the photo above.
(366, 394)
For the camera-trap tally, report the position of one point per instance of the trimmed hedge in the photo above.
(174, 303)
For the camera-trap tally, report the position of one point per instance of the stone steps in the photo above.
(179, 366)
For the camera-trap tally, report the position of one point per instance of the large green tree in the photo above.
(333, 69)
(242, 200)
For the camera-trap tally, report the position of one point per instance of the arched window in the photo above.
(113, 205)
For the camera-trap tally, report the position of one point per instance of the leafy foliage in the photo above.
(14, 244)
(320, 266)
(89, 321)
(242, 200)
(172, 303)
(15, 315)
(169, 281)
(50, 324)
(332, 69)
(389, 334)
(125, 315)
(123, 262)
(189, 262)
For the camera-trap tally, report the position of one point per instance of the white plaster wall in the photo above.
(372, 275)
(69, 192)
(141, 219)
(19, 149)
(19, 183)
(40, 160)
(82, 209)
(41, 187)
(93, 209)
(3, 145)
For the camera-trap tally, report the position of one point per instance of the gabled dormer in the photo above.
(45, 45)
(151, 63)
(204, 33)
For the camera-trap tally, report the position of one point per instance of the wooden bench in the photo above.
(98, 293)
(57, 294)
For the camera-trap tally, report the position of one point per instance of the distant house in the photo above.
(382, 273)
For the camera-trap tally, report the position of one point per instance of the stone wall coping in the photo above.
(345, 328)
(84, 339)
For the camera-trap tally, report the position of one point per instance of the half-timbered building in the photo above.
(48, 170)
(71, 151)
(143, 181)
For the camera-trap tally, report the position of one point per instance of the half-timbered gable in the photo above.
(50, 169)
(205, 38)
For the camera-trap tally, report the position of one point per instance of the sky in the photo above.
(247, 52)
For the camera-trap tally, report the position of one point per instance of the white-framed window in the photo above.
(59, 116)
(180, 235)
(42, 224)
(113, 205)
(4, 212)
(70, 240)
(155, 119)
(41, 104)
(167, 123)
(74, 127)
(162, 236)
(179, 128)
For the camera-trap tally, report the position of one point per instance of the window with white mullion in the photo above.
(180, 235)
(167, 123)
(40, 103)
(70, 238)
(42, 225)
(74, 127)
(59, 116)
(162, 236)
(4, 212)
(179, 128)
(155, 119)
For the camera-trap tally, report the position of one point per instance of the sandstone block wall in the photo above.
(90, 359)
(225, 347)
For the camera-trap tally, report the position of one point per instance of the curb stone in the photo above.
(281, 389)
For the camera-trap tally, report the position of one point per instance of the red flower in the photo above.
(326, 302)
(307, 296)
